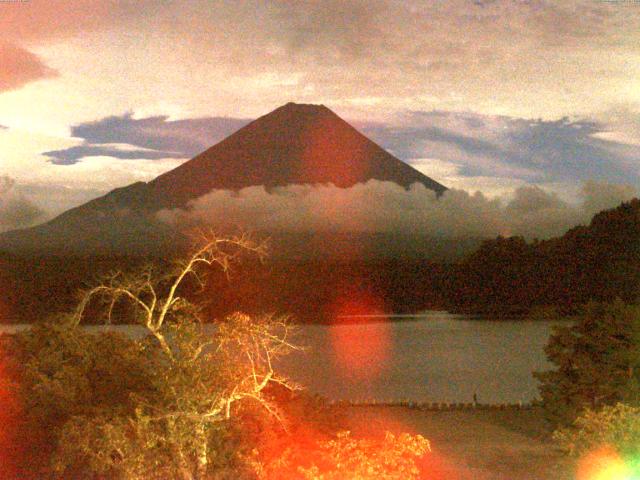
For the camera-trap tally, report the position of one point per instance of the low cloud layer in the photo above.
(386, 207)
(16, 211)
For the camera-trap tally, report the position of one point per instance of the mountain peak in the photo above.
(296, 143)
(303, 109)
(308, 107)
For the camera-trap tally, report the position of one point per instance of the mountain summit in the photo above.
(294, 144)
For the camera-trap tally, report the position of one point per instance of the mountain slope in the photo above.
(294, 144)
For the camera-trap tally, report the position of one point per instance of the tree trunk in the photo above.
(202, 452)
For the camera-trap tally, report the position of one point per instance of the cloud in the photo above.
(16, 211)
(541, 55)
(72, 155)
(156, 137)
(56, 189)
(41, 22)
(622, 125)
(386, 207)
(6, 184)
(345, 23)
(506, 147)
(55, 19)
(476, 146)
(330, 29)
(599, 196)
(20, 67)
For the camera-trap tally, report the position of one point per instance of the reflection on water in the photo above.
(435, 357)
(438, 357)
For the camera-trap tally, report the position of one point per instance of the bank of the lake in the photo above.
(472, 444)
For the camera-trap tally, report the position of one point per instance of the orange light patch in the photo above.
(375, 422)
(331, 152)
(603, 464)
(360, 351)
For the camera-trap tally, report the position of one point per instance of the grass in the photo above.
(472, 444)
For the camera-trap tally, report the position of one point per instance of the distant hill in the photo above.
(294, 144)
(600, 261)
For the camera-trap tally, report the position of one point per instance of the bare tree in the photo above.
(200, 375)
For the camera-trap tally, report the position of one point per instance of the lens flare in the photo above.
(374, 422)
(604, 464)
(361, 352)
(332, 151)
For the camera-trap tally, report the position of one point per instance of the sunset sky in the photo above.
(481, 95)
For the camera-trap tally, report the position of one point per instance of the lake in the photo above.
(431, 357)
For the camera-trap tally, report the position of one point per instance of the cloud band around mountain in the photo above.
(16, 211)
(388, 208)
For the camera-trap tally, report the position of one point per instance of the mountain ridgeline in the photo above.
(307, 271)
(296, 144)
(316, 276)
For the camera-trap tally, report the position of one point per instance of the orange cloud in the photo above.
(39, 21)
(20, 67)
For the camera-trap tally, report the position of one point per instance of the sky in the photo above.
(486, 95)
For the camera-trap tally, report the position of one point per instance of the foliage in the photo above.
(544, 313)
(606, 443)
(58, 372)
(35, 287)
(597, 360)
(160, 406)
(179, 401)
(616, 426)
(598, 262)
(344, 457)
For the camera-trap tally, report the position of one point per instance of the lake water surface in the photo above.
(433, 357)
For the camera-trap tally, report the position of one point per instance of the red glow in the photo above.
(374, 422)
(56, 18)
(360, 352)
(332, 151)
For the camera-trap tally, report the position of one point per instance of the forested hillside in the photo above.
(600, 261)
(504, 276)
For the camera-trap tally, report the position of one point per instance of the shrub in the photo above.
(344, 457)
